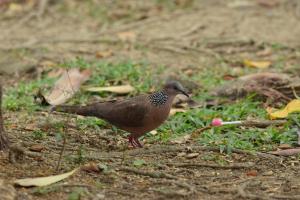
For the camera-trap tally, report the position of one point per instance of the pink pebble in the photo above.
(216, 122)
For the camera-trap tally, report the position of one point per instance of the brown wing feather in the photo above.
(127, 113)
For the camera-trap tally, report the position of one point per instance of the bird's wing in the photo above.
(126, 113)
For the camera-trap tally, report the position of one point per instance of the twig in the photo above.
(160, 149)
(62, 151)
(147, 173)
(235, 166)
(200, 130)
(4, 143)
(190, 189)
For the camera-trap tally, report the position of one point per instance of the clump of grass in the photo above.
(141, 76)
(104, 74)
(21, 96)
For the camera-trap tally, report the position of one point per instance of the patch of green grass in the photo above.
(89, 122)
(21, 97)
(38, 134)
(143, 76)
(139, 75)
(226, 137)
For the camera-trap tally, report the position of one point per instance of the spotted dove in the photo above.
(137, 115)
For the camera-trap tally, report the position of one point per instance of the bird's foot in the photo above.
(135, 142)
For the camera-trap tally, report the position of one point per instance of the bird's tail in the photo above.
(89, 110)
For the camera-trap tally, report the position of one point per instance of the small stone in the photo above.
(181, 154)
(192, 155)
(268, 173)
(37, 148)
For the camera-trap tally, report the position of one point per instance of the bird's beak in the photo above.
(185, 93)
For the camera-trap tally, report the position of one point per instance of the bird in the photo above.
(136, 115)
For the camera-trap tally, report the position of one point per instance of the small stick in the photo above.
(235, 166)
(4, 143)
(256, 123)
(62, 151)
(147, 173)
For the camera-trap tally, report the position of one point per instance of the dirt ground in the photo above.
(193, 34)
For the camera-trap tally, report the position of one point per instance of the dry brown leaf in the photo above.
(37, 148)
(91, 167)
(286, 152)
(68, 84)
(285, 146)
(257, 64)
(104, 54)
(127, 36)
(252, 172)
(122, 89)
(43, 181)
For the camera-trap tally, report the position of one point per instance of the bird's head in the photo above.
(174, 88)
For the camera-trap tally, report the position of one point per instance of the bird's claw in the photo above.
(135, 142)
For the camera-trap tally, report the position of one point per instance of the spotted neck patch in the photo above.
(158, 98)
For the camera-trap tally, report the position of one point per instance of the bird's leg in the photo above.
(132, 141)
(138, 142)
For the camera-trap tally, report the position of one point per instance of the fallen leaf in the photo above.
(292, 106)
(43, 181)
(229, 77)
(91, 167)
(127, 36)
(122, 89)
(104, 54)
(192, 155)
(251, 173)
(68, 84)
(257, 64)
(37, 148)
(286, 152)
(285, 146)
(173, 111)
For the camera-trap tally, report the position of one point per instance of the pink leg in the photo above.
(134, 142)
(138, 142)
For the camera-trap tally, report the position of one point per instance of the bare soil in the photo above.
(195, 35)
